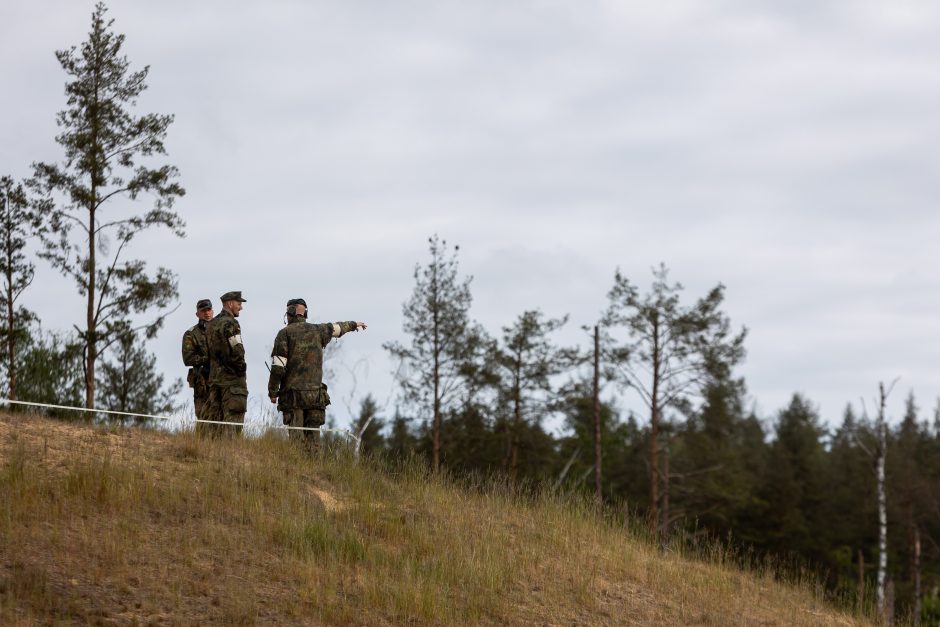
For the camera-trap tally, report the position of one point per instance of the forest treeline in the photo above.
(698, 464)
(694, 464)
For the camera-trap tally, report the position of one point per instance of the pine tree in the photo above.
(437, 319)
(104, 144)
(794, 487)
(711, 481)
(622, 445)
(18, 223)
(401, 442)
(527, 362)
(50, 371)
(669, 353)
(852, 498)
(128, 381)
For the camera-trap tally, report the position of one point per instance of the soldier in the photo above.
(296, 381)
(228, 386)
(196, 356)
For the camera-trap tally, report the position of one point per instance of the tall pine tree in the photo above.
(670, 351)
(106, 147)
(436, 317)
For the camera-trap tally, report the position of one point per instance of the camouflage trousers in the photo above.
(297, 417)
(226, 404)
(201, 403)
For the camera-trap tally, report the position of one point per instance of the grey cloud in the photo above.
(786, 150)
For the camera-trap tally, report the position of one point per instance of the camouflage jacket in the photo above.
(297, 363)
(226, 352)
(196, 356)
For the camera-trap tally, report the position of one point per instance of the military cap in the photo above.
(296, 301)
(232, 296)
(205, 303)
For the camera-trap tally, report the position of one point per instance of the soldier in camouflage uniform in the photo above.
(228, 386)
(196, 356)
(296, 381)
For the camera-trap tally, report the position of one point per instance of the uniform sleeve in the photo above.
(278, 364)
(331, 330)
(192, 353)
(232, 335)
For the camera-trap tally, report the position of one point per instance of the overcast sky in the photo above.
(787, 150)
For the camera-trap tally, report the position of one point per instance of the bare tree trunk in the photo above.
(91, 340)
(11, 342)
(436, 427)
(564, 471)
(516, 428)
(597, 416)
(882, 500)
(664, 533)
(91, 352)
(917, 590)
(654, 439)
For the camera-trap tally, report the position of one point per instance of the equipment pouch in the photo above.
(236, 400)
(324, 399)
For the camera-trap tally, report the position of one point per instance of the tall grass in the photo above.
(134, 526)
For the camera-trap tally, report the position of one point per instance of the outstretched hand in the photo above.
(360, 326)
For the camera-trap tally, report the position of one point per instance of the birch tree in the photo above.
(107, 166)
(879, 453)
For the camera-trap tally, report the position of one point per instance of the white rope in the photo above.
(347, 433)
(6, 401)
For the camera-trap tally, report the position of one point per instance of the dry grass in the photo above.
(130, 526)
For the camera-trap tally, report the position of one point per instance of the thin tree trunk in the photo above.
(514, 432)
(436, 425)
(436, 429)
(664, 533)
(91, 354)
(882, 501)
(917, 590)
(654, 438)
(597, 416)
(11, 342)
(564, 471)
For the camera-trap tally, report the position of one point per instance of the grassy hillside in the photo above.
(123, 526)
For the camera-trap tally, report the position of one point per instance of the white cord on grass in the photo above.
(347, 433)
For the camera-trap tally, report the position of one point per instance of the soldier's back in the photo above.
(304, 356)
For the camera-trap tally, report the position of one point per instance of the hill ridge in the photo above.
(113, 526)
